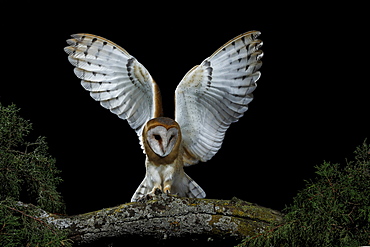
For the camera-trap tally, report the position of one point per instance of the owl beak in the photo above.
(164, 148)
(162, 152)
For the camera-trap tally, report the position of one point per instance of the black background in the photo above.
(311, 104)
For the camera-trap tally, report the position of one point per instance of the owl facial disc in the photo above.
(162, 140)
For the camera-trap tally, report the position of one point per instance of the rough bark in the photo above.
(168, 219)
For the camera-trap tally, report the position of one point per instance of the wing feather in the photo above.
(215, 94)
(115, 79)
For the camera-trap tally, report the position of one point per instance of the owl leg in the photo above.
(155, 180)
(156, 187)
(167, 185)
(167, 189)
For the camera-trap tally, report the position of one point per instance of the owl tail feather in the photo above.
(141, 191)
(186, 188)
(193, 189)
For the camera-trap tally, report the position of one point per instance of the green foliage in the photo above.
(28, 174)
(20, 227)
(333, 209)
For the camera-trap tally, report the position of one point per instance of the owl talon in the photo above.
(167, 190)
(152, 195)
(157, 192)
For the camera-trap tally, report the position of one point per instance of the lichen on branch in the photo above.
(170, 217)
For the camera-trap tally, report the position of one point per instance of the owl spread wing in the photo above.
(115, 78)
(215, 94)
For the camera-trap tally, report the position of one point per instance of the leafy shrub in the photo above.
(28, 174)
(333, 209)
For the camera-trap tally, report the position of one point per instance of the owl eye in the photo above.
(172, 136)
(157, 137)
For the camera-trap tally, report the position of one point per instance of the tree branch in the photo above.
(170, 218)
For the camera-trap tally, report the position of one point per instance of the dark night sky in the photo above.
(311, 104)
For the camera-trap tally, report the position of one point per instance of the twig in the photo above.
(32, 217)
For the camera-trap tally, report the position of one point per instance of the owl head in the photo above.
(162, 138)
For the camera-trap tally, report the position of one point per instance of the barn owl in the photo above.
(208, 99)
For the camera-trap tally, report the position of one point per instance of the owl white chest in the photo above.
(161, 172)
